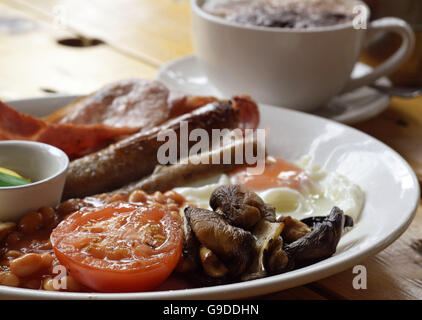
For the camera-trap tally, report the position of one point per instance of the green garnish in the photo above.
(7, 180)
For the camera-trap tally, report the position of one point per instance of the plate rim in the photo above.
(259, 286)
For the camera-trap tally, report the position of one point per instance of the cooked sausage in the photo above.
(169, 177)
(136, 156)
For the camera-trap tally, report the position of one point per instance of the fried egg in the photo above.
(298, 190)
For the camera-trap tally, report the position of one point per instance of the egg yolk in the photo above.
(278, 173)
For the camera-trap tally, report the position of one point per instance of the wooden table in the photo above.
(137, 37)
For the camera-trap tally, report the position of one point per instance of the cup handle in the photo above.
(400, 27)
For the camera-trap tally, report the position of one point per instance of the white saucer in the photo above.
(186, 75)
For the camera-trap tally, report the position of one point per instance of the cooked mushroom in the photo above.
(317, 245)
(293, 229)
(271, 247)
(276, 259)
(311, 221)
(189, 260)
(211, 264)
(232, 245)
(242, 208)
(265, 233)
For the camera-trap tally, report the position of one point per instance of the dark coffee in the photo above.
(283, 14)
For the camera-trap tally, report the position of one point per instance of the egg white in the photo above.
(317, 199)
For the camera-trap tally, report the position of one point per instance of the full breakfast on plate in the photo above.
(127, 223)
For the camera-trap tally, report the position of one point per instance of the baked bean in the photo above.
(178, 198)
(45, 245)
(14, 237)
(13, 254)
(6, 228)
(176, 215)
(32, 284)
(48, 215)
(47, 259)
(69, 207)
(138, 196)
(156, 205)
(159, 197)
(30, 222)
(26, 265)
(48, 284)
(71, 284)
(173, 207)
(117, 197)
(8, 279)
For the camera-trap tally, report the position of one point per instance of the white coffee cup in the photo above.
(295, 68)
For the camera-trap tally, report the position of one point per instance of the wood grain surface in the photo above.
(138, 37)
(33, 63)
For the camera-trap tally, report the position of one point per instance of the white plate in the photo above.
(390, 186)
(186, 75)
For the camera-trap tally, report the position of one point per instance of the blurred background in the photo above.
(386, 44)
(75, 46)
